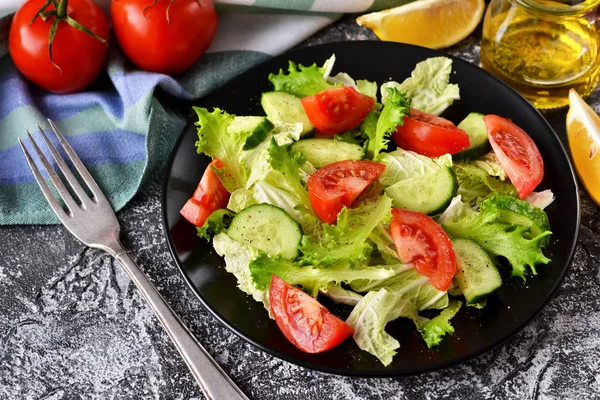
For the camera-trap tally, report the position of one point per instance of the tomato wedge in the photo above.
(339, 184)
(210, 195)
(303, 320)
(430, 135)
(516, 153)
(337, 110)
(421, 241)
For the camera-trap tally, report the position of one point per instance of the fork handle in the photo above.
(215, 383)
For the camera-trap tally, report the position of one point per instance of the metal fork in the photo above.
(93, 222)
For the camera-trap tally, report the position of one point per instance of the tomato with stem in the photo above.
(60, 45)
(165, 36)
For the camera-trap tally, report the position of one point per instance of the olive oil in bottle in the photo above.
(539, 53)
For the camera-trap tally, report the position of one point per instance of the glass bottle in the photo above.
(543, 48)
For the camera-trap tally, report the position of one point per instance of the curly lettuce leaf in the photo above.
(311, 279)
(369, 318)
(303, 81)
(217, 142)
(434, 330)
(216, 223)
(506, 240)
(391, 116)
(428, 87)
(476, 185)
(346, 243)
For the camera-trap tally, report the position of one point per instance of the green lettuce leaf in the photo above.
(340, 295)
(217, 142)
(402, 164)
(310, 278)
(409, 285)
(476, 185)
(434, 330)
(428, 87)
(238, 257)
(369, 318)
(367, 88)
(240, 199)
(346, 242)
(497, 238)
(489, 163)
(303, 81)
(392, 115)
(215, 223)
(288, 163)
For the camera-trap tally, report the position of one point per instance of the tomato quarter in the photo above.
(516, 153)
(165, 36)
(339, 184)
(78, 56)
(337, 110)
(210, 195)
(430, 135)
(303, 320)
(421, 241)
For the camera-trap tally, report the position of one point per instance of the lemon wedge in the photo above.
(430, 23)
(583, 132)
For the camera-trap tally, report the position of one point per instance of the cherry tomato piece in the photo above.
(210, 195)
(430, 135)
(303, 320)
(337, 110)
(339, 184)
(421, 241)
(516, 153)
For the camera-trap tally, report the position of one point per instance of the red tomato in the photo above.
(210, 195)
(337, 110)
(168, 36)
(516, 152)
(430, 135)
(79, 57)
(421, 241)
(304, 322)
(337, 185)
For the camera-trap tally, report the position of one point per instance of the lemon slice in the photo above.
(430, 23)
(583, 132)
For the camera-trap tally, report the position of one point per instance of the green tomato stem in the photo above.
(60, 14)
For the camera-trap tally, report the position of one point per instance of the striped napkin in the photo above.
(119, 128)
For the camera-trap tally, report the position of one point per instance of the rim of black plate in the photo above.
(383, 373)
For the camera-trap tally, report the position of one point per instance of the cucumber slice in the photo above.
(257, 127)
(267, 228)
(476, 275)
(429, 194)
(478, 139)
(287, 108)
(320, 152)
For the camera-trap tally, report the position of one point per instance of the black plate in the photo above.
(477, 331)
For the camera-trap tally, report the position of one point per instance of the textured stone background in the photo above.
(72, 325)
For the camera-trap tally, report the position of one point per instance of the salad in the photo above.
(364, 194)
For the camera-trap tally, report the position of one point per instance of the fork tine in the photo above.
(69, 176)
(85, 175)
(58, 210)
(60, 187)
